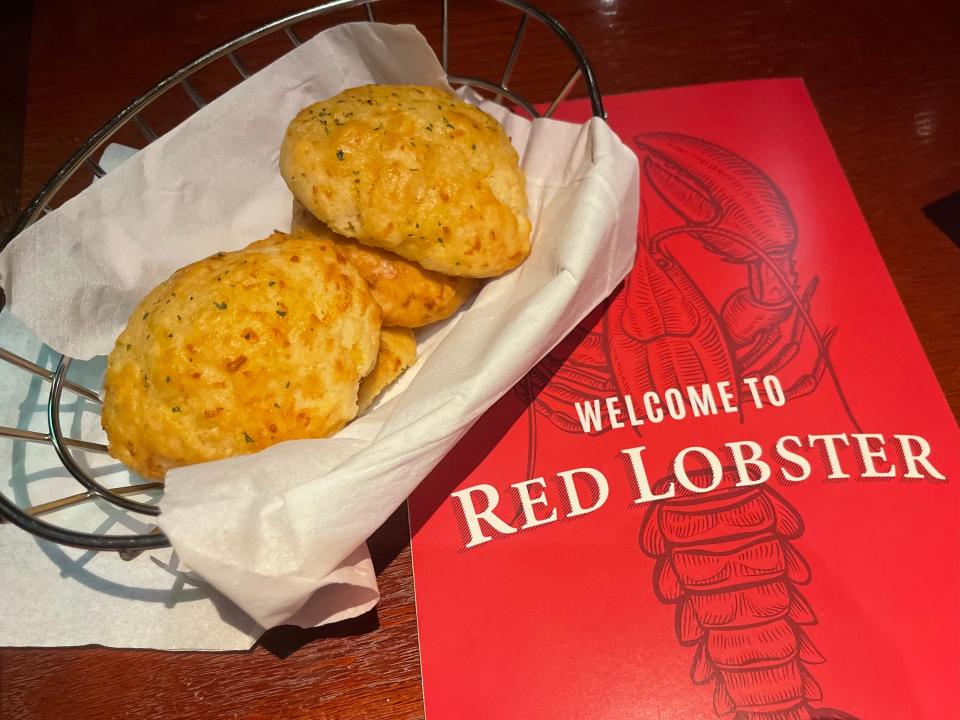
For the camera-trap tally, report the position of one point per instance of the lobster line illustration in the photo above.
(726, 560)
(728, 565)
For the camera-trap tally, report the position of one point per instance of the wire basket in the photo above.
(130, 504)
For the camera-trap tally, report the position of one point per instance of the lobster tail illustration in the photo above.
(728, 565)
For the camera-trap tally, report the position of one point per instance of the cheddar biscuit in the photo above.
(398, 351)
(237, 352)
(409, 295)
(413, 170)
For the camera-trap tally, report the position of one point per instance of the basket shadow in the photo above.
(37, 475)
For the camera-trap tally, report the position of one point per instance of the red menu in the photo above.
(732, 491)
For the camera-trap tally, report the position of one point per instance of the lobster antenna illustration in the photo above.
(532, 427)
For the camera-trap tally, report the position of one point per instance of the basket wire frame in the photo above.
(129, 545)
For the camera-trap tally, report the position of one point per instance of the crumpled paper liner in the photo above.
(267, 530)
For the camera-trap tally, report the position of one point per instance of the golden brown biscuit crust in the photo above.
(413, 170)
(398, 351)
(237, 352)
(409, 295)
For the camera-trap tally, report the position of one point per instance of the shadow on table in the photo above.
(285, 640)
(385, 546)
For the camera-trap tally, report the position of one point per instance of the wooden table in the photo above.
(886, 83)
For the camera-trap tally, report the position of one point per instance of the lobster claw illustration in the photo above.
(737, 213)
(668, 335)
(661, 330)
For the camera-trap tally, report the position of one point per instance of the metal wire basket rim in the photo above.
(132, 544)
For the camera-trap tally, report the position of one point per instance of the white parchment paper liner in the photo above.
(268, 530)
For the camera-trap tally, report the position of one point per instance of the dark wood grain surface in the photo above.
(886, 81)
